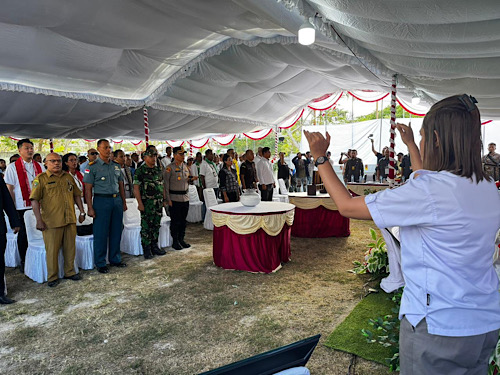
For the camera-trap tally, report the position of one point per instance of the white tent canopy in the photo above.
(73, 69)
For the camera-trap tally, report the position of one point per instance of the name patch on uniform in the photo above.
(50, 183)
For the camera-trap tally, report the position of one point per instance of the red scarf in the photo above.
(80, 177)
(24, 183)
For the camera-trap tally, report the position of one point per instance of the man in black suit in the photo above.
(7, 206)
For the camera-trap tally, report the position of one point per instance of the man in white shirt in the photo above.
(265, 175)
(19, 177)
(128, 181)
(91, 156)
(167, 159)
(258, 157)
(208, 172)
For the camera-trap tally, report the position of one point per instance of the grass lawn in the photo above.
(179, 314)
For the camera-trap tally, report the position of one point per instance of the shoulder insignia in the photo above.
(87, 170)
(169, 169)
(36, 182)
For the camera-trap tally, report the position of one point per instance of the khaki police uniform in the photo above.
(56, 197)
(176, 178)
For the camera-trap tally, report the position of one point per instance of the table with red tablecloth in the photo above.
(317, 216)
(255, 239)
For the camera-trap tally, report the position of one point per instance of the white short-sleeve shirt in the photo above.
(448, 226)
(11, 178)
(211, 175)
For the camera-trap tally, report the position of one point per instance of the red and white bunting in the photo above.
(146, 126)
(51, 143)
(368, 96)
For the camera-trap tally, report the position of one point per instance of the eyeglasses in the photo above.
(93, 153)
(181, 152)
(54, 161)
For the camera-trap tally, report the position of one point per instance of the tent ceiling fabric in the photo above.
(85, 69)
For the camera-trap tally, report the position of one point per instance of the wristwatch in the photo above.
(321, 160)
(82, 214)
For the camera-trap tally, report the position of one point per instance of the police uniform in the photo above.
(108, 207)
(150, 181)
(354, 170)
(177, 179)
(56, 196)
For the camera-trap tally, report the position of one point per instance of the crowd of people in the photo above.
(100, 182)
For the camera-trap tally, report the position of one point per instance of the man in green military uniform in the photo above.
(56, 192)
(177, 178)
(150, 195)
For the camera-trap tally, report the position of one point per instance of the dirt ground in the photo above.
(179, 314)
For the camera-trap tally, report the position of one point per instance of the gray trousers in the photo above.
(426, 354)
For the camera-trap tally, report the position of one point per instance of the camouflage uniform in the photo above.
(150, 181)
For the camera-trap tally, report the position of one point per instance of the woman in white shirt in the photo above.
(70, 165)
(448, 214)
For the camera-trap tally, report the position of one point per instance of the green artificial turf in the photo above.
(347, 336)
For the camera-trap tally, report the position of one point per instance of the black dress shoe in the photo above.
(176, 245)
(75, 277)
(21, 267)
(184, 244)
(157, 251)
(4, 300)
(119, 265)
(54, 283)
(104, 269)
(146, 249)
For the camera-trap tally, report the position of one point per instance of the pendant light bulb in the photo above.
(307, 34)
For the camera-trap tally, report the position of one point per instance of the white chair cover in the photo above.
(395, 280)
(36, 261)
(195, 214)
(165, 238)
(85, 245)
(282, 186)
(12, 257)
(131, 235)
(210, 201)
(85, 252)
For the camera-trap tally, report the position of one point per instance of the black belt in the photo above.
(178, 192)
(105, 195)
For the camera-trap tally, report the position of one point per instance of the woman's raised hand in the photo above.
(318, 144)
(406, 133)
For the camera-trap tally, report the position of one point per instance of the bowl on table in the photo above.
(250, 198)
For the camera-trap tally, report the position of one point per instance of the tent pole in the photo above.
(146, 126)
(381, 121)
(392, 169)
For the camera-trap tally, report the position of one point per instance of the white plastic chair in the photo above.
(210, 201)
(84, 256)
(195, 214)
(131, 235)
(12, 257)
(35, 266)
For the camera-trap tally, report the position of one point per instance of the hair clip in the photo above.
(468, 101)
